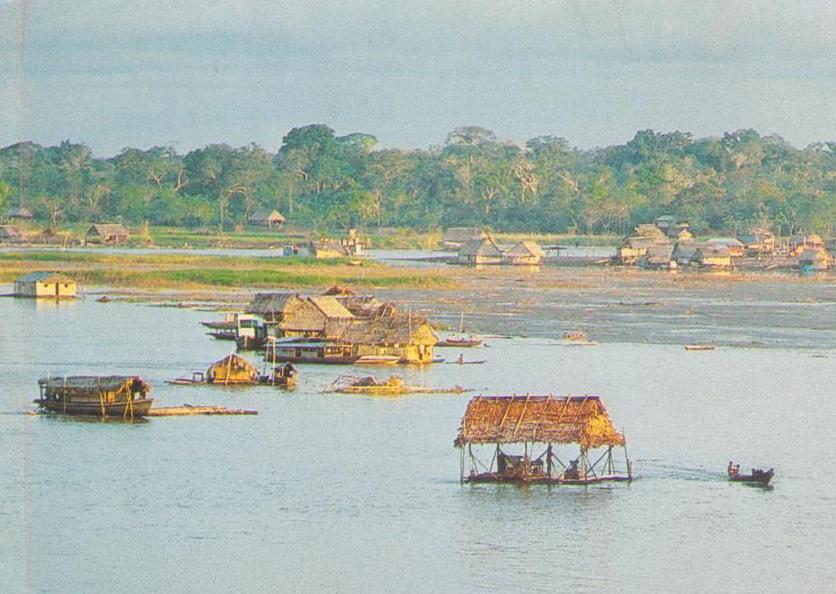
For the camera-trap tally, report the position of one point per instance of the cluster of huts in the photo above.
(351, 245)
(15, 229)
(338, 326)
(474, 247)
(667, 243)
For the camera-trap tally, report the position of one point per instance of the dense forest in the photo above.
(321, 180)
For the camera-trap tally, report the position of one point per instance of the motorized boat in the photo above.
(758, 476)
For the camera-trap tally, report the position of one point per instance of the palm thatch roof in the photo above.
(396, 329)
(270, 305)
(331, 307)
(525, 249)
(544, 419)
(232, 369)
(480, 247)
(462, 234)
(108, 230)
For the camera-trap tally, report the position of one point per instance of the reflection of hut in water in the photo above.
(507, 422)
(525, 253)
(814, 260)
(232, 369)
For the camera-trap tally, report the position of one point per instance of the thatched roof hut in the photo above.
(525, 253)
(712, 256)
(480, 251)
(267, 218)
(106, 233)
(538, 419)
(658, 256)
(310, 316)
(454, 237)
(11, 233)
(232, 369)
(271, 306)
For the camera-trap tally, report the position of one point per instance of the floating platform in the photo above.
(187, 411)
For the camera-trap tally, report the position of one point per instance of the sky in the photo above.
(113, 73)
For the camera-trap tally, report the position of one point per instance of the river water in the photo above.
(336, 493)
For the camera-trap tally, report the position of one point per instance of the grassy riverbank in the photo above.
(178, 271)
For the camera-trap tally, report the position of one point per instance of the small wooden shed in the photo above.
(106, 233)
(232, 369)
(51, 285)
(272, 219)
(525, 253)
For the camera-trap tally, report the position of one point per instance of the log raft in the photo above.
(179, 411)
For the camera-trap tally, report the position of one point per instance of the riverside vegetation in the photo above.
(320, 180)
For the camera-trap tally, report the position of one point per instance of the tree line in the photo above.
(320, 180)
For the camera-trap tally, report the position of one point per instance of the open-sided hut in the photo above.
(540, 423)
(232, 369)
(105, 396)
(478, 252)
(455, 237)
(814, 260)
(712, 256)
(45, 285)
(525, 253)
(272, 219)
(106, 233)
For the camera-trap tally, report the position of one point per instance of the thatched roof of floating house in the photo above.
(232, 369)
(398, 329)
(271, 305)
(526, 248)
(544, 419)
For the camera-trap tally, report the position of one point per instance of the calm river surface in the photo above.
(337, 493)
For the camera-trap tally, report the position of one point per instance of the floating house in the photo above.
(455, 237)
(45, 284)
(799, 243)
(814, 260)
(758, 241)
(338, 248)
(478, 252)
(408, 337)
(232, 369)
(12, 234)
(106, 234)
(525, 253)
(736, 247)
(272, 219)
(712, 256)
(521, 436)
(104, 396)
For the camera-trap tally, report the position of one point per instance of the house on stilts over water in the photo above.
(533, 439)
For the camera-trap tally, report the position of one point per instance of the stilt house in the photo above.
(539, 425)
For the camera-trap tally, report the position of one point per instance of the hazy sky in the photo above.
(112, 74)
